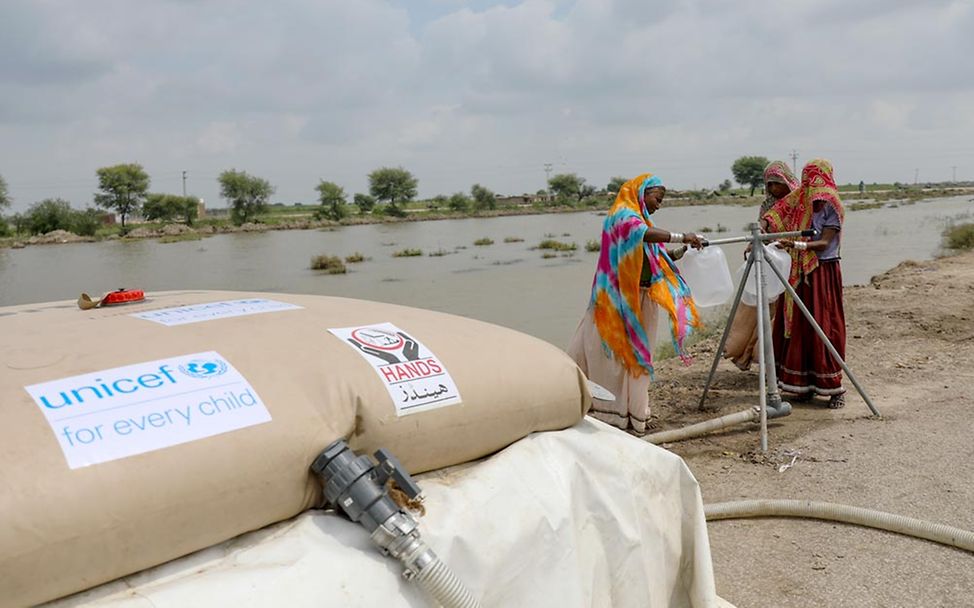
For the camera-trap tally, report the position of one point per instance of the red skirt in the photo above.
(804, 364)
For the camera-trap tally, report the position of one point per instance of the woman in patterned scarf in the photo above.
(742, 342)
(805, 366)
(613, 344)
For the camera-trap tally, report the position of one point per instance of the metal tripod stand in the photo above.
(771, 403)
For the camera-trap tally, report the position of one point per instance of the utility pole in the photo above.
(794, 159)
(184, 184)
(547, 172)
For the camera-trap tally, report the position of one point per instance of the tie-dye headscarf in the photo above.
(777, 171)
(616, 298)
(794, 212)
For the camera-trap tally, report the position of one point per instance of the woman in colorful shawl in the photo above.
(741, 347)
(805, 366)
(613, 344)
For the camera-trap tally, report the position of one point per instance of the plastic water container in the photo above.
(707, 275)
(781, 260)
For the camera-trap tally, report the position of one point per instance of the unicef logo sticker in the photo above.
(204, 368)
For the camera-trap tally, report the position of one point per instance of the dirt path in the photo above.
(911, 343)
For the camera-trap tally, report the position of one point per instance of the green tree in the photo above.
(169, 207)
(49, 214)
(247, 195)
(567, 186)
(85, 223)
(4, 196)
(726, 185)
(364, 202)
(394, 186)
(123, 189)
(483, 198)
(332, 199)
(749, 171)
(20, 222)
(459, 202)
(615, 184)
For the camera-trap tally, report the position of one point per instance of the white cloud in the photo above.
(472, 92)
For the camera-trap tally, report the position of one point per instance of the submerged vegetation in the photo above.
(331, 264)
(554, 245)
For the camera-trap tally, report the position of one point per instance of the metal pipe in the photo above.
(767, 344)
(727, 329)
(758, 253)
(771, 236)
(828, 344)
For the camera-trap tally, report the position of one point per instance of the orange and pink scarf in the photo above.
(616, 296)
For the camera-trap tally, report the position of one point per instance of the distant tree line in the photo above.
(124, 190)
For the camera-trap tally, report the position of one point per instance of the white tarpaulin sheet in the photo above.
(588, 516)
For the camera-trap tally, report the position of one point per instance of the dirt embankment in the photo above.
(911, 344)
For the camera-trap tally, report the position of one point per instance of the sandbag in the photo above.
(133, 435)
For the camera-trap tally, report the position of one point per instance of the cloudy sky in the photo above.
(463, 92)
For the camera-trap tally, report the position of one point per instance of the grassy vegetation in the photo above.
(547, 255)
(868, 187)
(554, 245)
(332, 264)
(513, 239)
(959, 237)
(865, 206)
(407, 253)
(355, 258)
(592, 246)
(484, 242)
(439, 253)
(178, 238)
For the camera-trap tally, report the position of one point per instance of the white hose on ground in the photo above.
(938, 533)
(702, 428)
(443, 586)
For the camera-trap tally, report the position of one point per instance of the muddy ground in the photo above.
(911, 344)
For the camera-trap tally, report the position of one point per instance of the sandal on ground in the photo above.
(837, 402)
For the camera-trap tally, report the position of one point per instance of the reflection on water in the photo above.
(504, 283)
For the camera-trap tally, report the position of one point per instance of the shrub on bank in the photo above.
(407, 253)
(959, 237)
(484, 241)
